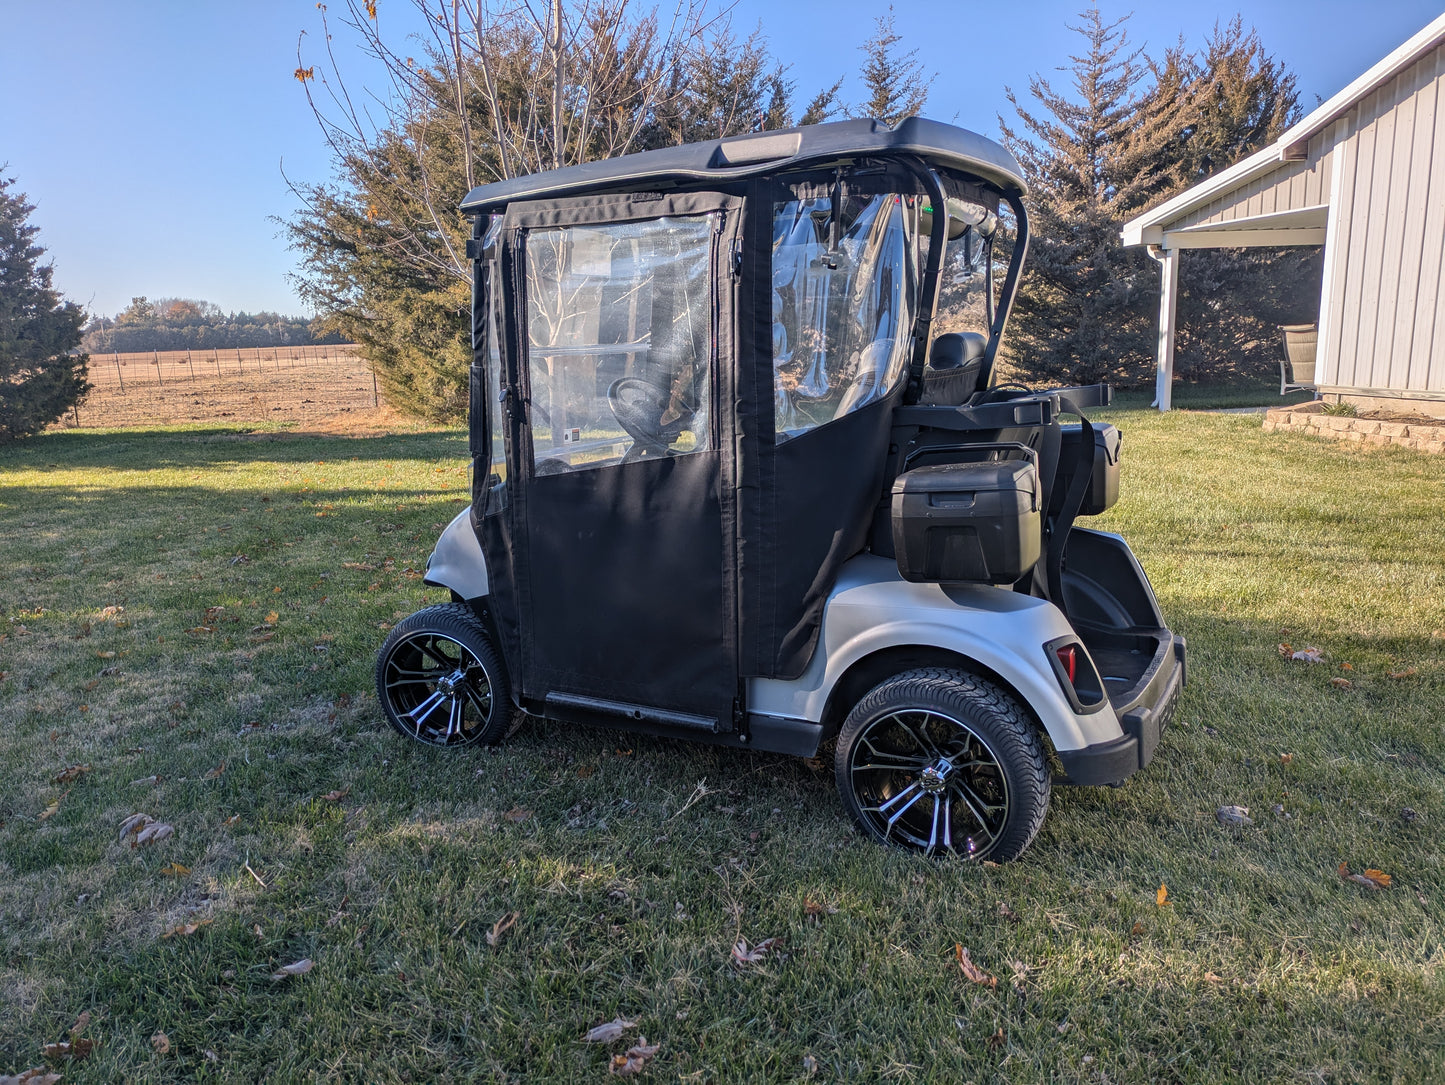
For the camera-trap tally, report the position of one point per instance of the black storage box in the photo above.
(1103, 489)
(976, 522)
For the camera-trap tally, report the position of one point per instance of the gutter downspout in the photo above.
(1168, 260)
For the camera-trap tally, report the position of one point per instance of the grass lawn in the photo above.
(190, 616)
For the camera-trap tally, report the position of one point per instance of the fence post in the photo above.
(192, 364)
(158, 368)
(118, 374)
(375, 395)
(239, 367)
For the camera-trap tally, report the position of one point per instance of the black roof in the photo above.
(765, 152)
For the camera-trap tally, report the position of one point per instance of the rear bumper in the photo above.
(1143, 718)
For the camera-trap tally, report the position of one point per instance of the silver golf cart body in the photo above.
(731, 474)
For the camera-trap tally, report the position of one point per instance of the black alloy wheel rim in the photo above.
(925, 780)
(438, 689)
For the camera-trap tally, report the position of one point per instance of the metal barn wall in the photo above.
(1291, 187)
(1382, 308)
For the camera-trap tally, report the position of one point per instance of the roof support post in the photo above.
(1168, 298)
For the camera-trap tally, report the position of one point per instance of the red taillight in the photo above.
(1069, 657)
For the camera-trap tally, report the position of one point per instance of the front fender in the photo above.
(457, 562)
(873, 609)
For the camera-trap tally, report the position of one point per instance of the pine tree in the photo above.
(1086, 307)
(895, 82)
(1234, 100)
(40, 379)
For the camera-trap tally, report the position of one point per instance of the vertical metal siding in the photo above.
(1391, 231)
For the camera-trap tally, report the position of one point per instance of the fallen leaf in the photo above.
(337, 796)
(1232, 816)
(211, 1056)
(300, 968)
(743, 954)
(175, 870)
(36, 1075)
(972, 972)
(1161, 898)
(501, 927)
(72, 1049)
(1005, 912)
(232, 819)
(1341, 683)
(134, 823)
(1307, 655)
(1286, 758)
(105, 655)
(1346, 667)
(606, 1033)
(161, 1042)
(215, 772)
(272, 618)
(517, 814)
(1285, 650)
(1370, 879)
(54, 807)
(1137, 929)
(1408, 672)
(810, 1065)
(635, 1060)
(997, 1040)
(80, 1023)
(584, 771)
(185, 930)
(150, 780)
(1408, 815)
(816, 909)
(1210, 977)
(153, 833)
(71, 774)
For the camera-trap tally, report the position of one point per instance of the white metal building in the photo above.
(1364, 176)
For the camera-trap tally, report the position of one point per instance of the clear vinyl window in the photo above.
(619, 341)
(842, 312)
(974, 265)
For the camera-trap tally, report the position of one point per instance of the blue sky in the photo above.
(152, 135)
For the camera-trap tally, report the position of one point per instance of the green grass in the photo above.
(1266, 966)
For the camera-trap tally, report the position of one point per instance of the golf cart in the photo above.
(741, 475)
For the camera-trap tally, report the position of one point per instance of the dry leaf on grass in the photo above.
(337, 796)
(81, 1023)
(232, 820)
(816, 909)
(1161, 898)
(1137, 929)
(742, 954)
(215, 772)
(134, 824)
(1304, 655)
(149, 780)
(1234, 816)
(501, 927)
(810, 1065)
(1005, 912)
(71, 774)
(153, 833)
(175, 870)
(36, 1075)
(1341, 683)
(517, 814)
(54, 808)
(635, 1060)
(300, 968)
(1408, 672)
(971, 972)
(1286, 758)
(161, 1042)
(997, 1040)
(1370, 879)
(185, 930)
(69, 1049)
(606, 1033)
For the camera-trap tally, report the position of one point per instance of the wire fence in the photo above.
(245, 384)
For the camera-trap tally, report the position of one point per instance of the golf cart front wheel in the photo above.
(946, 763)
(440, 680)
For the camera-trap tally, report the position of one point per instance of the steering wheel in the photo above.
(638, 406)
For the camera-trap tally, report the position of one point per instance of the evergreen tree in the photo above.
(40, 379)
(1087, 306)
(1234, 100)
(895, 82)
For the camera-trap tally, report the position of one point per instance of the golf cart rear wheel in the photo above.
(945, 763)
(440, 680)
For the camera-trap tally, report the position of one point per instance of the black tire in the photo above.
(441, 682)
(943, 762)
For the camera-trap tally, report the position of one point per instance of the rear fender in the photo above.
(873, 610)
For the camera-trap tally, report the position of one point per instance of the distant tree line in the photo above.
(187, 324)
